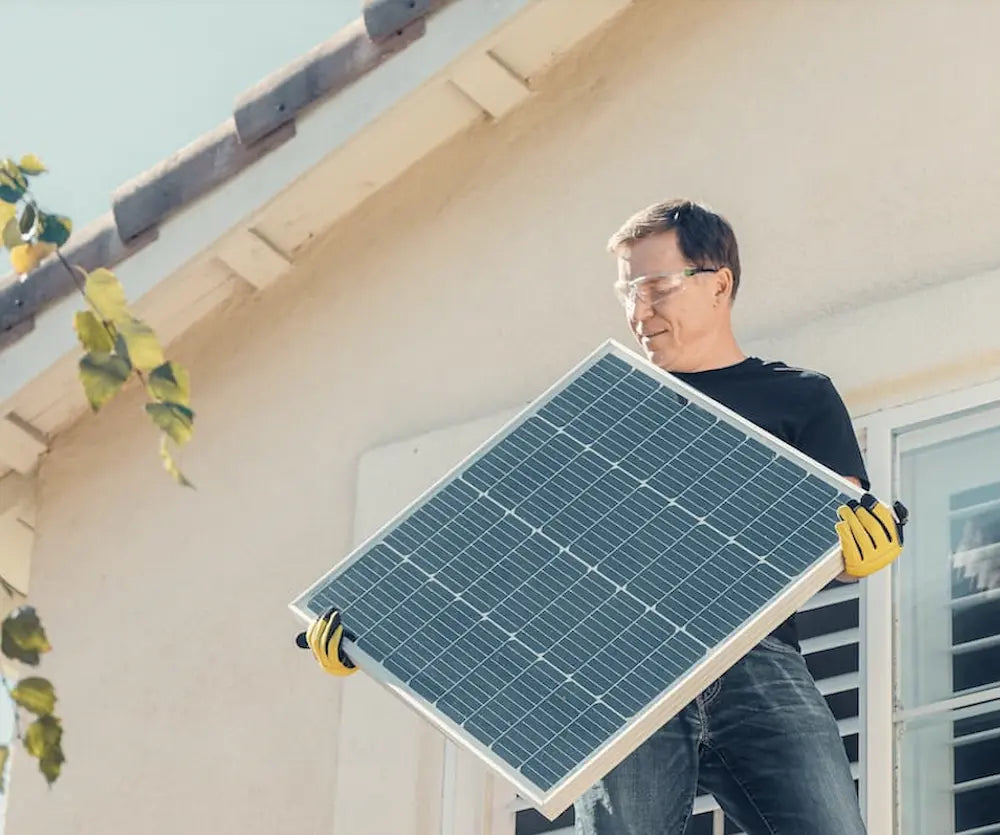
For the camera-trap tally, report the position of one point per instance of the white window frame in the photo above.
(878, 786)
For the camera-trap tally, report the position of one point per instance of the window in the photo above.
(947, 590)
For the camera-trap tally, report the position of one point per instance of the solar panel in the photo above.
(584, 574)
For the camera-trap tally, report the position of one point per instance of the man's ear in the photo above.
(724, 285)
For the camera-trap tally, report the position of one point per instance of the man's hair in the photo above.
(705, 238)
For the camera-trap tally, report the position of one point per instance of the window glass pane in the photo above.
(950, 780)
(947, 586)
(948, 579)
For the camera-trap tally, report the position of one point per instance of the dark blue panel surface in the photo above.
(570, 573)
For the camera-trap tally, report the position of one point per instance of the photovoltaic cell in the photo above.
(574, 568)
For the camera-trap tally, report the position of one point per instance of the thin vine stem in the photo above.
(83, 292)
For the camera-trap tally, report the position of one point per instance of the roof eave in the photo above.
(230, 238)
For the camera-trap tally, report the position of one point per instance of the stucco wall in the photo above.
(854, 147)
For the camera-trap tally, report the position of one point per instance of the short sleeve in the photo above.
(828, 436)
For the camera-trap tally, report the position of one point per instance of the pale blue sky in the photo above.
(107, 88)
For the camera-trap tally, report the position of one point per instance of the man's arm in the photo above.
(869, 535)
(828, 437)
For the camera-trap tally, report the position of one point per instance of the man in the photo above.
(761, 739)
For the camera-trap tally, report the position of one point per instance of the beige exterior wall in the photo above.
(853, 145)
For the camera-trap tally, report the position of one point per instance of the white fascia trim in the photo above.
(450, 33)
(898, 419)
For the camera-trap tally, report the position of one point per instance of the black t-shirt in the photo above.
(798, 406)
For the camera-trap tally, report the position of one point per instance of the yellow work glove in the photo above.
(871, 536)
(324, 637)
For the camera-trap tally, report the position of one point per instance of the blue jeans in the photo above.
(761, 740)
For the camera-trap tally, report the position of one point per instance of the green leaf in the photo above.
(175, 419)
(12, 234)
(4, 754)
(31, 165)
(138, 342)
(35, 694)
(51, 764)
(92, 333)
(8, 192)
(55, 229)
(106, 295)
(170, 382)
(170, 465)
(28, 218)
(41, 734)
(102, 376)
(12, 182)
(43, 739)
(23, 637)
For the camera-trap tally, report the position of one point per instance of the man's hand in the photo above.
(871, 537)
(324, 638)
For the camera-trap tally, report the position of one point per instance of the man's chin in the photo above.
(660, 355)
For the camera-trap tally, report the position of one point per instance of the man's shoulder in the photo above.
(798, 387)
(791, 372)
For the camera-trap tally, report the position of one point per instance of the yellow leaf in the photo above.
(107, 296)
(92, 333)
(11, 235)
(30, 164)
(43, 739)
(26, 257)
(35, 694)
(20, 259)
(12, 174)
(141, 344)
(7, 211)
(41, 734)
(170, 465)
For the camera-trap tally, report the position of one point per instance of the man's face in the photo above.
(676, 319)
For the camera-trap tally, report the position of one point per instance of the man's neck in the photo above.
(718, 356)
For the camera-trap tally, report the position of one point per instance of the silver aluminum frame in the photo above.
(553, 802)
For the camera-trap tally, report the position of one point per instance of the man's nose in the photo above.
(641, 311)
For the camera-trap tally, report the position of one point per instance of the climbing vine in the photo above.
(117, 345)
